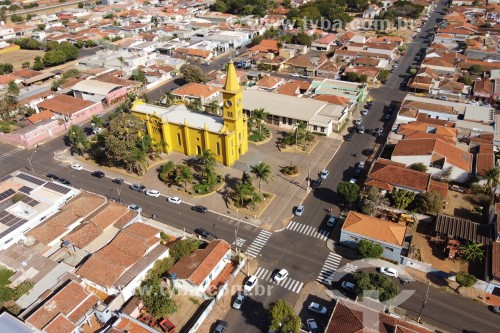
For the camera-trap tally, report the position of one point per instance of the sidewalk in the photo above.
(289, 191)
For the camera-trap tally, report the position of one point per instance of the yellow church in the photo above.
(176, 128)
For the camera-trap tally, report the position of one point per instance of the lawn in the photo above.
(16, 58)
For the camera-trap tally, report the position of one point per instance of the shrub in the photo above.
(367, 249)
(266, 195)
(290, 170)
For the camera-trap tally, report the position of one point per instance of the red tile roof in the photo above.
(495, 260)
(64, 104)
(339, 100)
(200, 263)
(374, 228)
(400, 177)
(40, 116)
(290, 89)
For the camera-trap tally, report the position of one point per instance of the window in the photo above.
(322, 129)
(218, 148)
(204, 283)
(315, 128)
(290, 121)
(198, 148)
(179, 139)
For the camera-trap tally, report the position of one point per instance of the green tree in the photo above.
(283, 318)
(368, 249)
(156, 298)
(476, 69)
(492, 177)
(246, 178)
(413, 71)
(465, 279)
(352, 77)
(207, 158)
(25, 64)
(138, 75)
(41, 26)
(372, 284)
(38, 64)
(419, 166)
(183, 247)
(348, 191)
(220, 6)
(53, 58)
(192, 73)
(184, 175)
(13, 89)
(428, 202)
(374, 202)
(383, 75)
(69, 50)
(472, 252)
(402, 198)
(97, 121)
(242, 192)
(16, 18)
(466, 79)
(262, 172)
(77, 139)
(260, 117)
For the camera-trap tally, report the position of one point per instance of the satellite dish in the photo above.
(66, 243)
(50, 305)
(29, 241)
(24, 263)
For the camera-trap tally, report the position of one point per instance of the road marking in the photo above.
(239, 242)
(349, 268)
(9, 153)
(329, 267)
(291, 284)
(258, 243)
(308, 230)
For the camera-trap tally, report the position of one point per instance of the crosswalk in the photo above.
(239, 242)
(308, 230)
(331, 264)
(258, 243)
(288, 283)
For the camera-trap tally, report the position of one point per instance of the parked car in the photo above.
(280, 275)
(387, 116)
(495, 309)
(315, 307)
(138, 187)
(52, 176)
(359, 168)
(367, 152)
(221, 327)
(250, 284)
(238, 302)
(348, 137)
(153, 193)
(98, 174)
(364, 112)
(368, 130)
(324, 174)
(200, 209)
(202, 232)
(443, 98)
(361, 129)
(135, 208)
(312, 325)
(349, 286)
(76, 166)
(295, 75)
(317, 183)
(299, 210)
(353, 181)
(389, 271)
(331, 221)
(174, 200)
(457, 188)
(63, 181)
(358, 122)
(118, 181)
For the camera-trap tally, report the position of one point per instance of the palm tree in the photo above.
(169, 98)
(260, 117)
(492, 177)
(77, 139)
(262, 171)
(245, 178)
(472, 252)
(167, 167)
(242, 191)
(207, 158)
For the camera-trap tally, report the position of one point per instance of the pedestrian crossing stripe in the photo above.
(350, 268)
(308, 230)
(258, 243)
(330, 266)
(239, 242)
(288, 283)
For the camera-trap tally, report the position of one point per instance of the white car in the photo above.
(312, 326)
(364, 112)
(299, 210)
(349, 286)
(174, 200)
(324, 174)
(331, 221)
(294, 75)
(251, 282)
(353, 181)
(239, 301)
(281, 275)
(315, 307)
(358, 122)
(153, 193)
(392, 272)
(76, 166)
(135, 208)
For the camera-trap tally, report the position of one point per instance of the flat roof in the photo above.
(95, 87)
(458, 107)
(178, 114)
(11, 324)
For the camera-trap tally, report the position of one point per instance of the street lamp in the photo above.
(309, 177)
(29, 160)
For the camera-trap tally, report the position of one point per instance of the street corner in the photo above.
(312, 291)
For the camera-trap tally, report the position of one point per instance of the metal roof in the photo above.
(95, 87)
(464, 229)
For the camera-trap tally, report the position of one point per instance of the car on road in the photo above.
(473, 103)
(118, 181)
(202, 232)
(367, 152)
(138, 187)
(312, 325)
(361, 129)
(358, 122)
(495, 309)
(52, 176)
(364, 112)
(200, 209)
(378, 131)
(324, 174)
(238, 302)
(135, 208)
(443, 98)
(331, 221)
(304, 76)
(174, 200)
(359, 168)
(76, 166)
(389, 271)
(353, 181)
(348, 137)
(250, 284)
(63, 181)
(117, 200)
(299, 210)
(153, 193)
(317, 183)
(315, 307)
(295, 75)
(221, 327)
(387, 116)
(98, 174)
(349, 286)
(368, 130)
(280, 275)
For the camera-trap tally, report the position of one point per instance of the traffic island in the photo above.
(256, 213)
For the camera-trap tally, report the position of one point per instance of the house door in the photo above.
(198, 149)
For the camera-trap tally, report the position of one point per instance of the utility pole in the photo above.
(29, 160)
(309, 177)
(425, 301)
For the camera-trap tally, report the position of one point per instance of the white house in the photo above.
(194, 273)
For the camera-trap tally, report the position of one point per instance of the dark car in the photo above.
(63, 181)
(368, 131)
(495, 309)
(200, 209)
(367, 152)
(52, 176)
(98, 174)
(221, 327)
(138, 187)
(118, 181)
(202, 232)
(317, 183)
(117, 200)
(348, 137)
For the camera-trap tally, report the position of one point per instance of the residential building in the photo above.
(355, 92)
(194, 273)
(71, 109)
(390, 235)
(269, 83)
(11, 324)
(483, 90)
(196, 91)
(191, 132)
(306, 64)
(325, 43)
(435, 154)
(99, 91)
